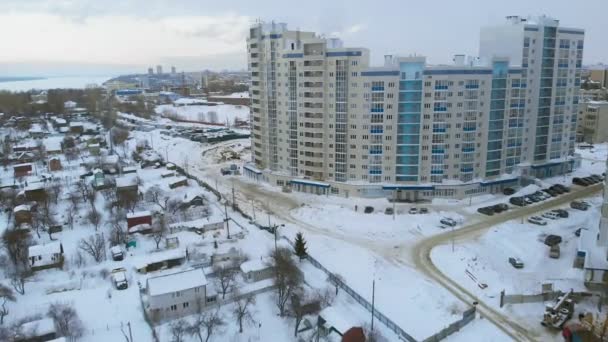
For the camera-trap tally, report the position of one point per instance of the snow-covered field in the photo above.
(219, 114)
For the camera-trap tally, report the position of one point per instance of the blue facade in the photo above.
(408, 121)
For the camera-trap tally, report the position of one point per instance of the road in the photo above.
(422, 256)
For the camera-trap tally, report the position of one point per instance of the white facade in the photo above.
(324, 121)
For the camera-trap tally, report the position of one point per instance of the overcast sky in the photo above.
(106, 37)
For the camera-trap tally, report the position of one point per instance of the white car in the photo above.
(413, 210)
(537, 220)
(550, 215)
(448, 221)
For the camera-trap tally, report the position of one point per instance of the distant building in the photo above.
(69, 105)
(45, 256)
(592, 125)
(599, 74)
(22, 170)
(159, 69)
(150, 71)
(173, 70)
(54, 164)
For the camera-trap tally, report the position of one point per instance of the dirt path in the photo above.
(422, 256)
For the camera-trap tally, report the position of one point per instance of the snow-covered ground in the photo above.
(218, 114)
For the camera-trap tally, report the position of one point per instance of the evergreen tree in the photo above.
(300, 247)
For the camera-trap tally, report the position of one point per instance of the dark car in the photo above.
(516, 262)
(552, 240)
(561, 213)
(518, 201)
(589, 180)
(532, 198)
(579, 181)
(551, 192)
(368, 210)
(508, 191)
(500, 207)
(557, 189)
(486, 211)
(562, 187)
(579, 205)
(596, 178)
(578, 232)
(423, 210)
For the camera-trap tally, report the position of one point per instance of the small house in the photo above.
(167, 174)
(160, 260)
(55, 164)
(35, 192)
(52, 145)
(36, 331)
(46, 256)
(177, 294)
(94, 149)
(229, 258)
(36, 132)
(76, 127)
(129, 169)
(257, 269)
(99, 179)
(354, 334)
(177, 182)
(197, 201)
(22, 170)
(69, 105)
(136, 220)
(126, 186)
(333, 322)
(22, 214)
(171, 166)
(171, 242)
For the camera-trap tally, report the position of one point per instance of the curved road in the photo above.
(422, 256)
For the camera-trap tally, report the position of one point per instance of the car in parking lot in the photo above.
(550, 215)
(368, 210)
(562, 187)
(579, 205)
(508, 191)
(389, 211)
(554, 252)
(597, 178)
(518, 201)
(413, 210)
(448, 221)
(579, 181)
(550, 192)
(516, 262)
(578, 231)
(528, 200)
(119, 277)
(551, 240)
(589, 180)
(423, 210)
(537, 220)
(486, 211)
(561, 213)
(533, 198)
(500, 207)
(557, 189)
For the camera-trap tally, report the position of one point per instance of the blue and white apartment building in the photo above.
(325, 121)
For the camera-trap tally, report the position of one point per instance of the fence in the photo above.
(540, 297)
(467, 317)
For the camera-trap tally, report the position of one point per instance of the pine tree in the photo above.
(300, 247)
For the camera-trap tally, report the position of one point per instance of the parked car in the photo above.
(562, 187)
(424, 210)
(518, 201)
(542, 195)
(528, 200)
(368, 209)
(516, 262)
(589, 180)
(537, 220)
(500, 207)
(554, 252)
(578, 231)
(486, 211)
(596, 178)
(448, 221)
(389, 211)
(550, 192)
(532, 198)
(578, 205)
(561, 213)
(557, 189)
(119, 277)
(117, 253)
(413, 210)
(579, 181)
(550, 215)
(508, 191)
(551, 240)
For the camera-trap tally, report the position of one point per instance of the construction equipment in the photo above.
(556, 315)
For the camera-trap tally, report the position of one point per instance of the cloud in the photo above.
(119, 39)
(349, 30)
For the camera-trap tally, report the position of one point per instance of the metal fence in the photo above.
(467, 317)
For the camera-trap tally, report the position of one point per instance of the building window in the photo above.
(173, 307)
(185, 305)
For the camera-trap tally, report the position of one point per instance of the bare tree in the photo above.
(55, 190)
(157, 196)
(299, 309)
(118, 233)
(173, 205)
(8, 201)
(287, 277)
(74, 198)
(226, 276)
(242, 310)
(66, 319)
(178, 330)
(18, 278)
(94, 218)
(83, 188)
(372, 335)
(160, 230)
(95, 246)
(16, 243)
(6, 294)
(205, 324)
(72, 211)
(128, 200)
(45, 218)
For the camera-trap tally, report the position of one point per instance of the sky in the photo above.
(110, 37)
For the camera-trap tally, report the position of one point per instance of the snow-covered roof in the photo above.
(255, 265)
(52, 144)
(22, 165)
(22, 207)
(334, 318)
(45, 249)
(125, 181)
(175, 282)
(34, 187)
(139, 214)
(37, 328)
(76, 124)
(115, 249)
(148, 259)
(185, 100)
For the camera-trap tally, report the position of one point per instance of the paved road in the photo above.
(422, 256)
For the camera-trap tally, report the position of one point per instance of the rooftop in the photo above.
(45, 249)
(174, 282)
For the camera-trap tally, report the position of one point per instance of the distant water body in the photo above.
(28, 83)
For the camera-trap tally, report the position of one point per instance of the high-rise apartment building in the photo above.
(324, 121)
(159, 69)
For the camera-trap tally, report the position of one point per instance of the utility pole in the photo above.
(130, 334)
(253, 209)
(394, 200)
(452, 239)
(373, 300)
(233, 198)
(227, 219)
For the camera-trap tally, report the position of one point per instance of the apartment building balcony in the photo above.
(314, 105)
(315, 95)
(313, 74)
(310, 115)
(313, 85)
